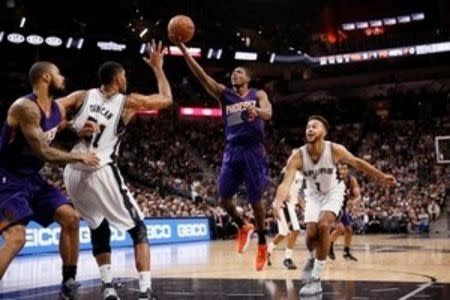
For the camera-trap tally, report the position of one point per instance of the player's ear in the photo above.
(116, 79)
(47, 76)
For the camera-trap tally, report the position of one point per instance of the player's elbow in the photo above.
(268, 115)
(166, 101)
(43, 153)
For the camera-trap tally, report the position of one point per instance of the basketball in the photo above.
(181, 27)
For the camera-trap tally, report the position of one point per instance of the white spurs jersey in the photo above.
(107, 113)
(296, 187)
(321, 177)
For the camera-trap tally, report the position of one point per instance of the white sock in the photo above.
(271, 247)
(312, 254)
(319, 265)
(105, 273)
(288, 253)
(145, 281)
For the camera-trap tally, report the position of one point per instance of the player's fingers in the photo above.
(153, 44)
(160, 46)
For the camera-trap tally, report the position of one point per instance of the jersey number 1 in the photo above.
(318, 186)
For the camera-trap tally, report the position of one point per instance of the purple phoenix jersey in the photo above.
(24, 194)
(238, 130)
(244, 159)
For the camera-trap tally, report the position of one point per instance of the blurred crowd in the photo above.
(171, 166)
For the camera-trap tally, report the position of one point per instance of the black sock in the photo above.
(239, 222)
(261, 238)
(347, 250)
(69, 272)
(331, 246)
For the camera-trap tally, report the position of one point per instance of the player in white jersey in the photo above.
(288, 225)
(100, 193)
(324, 193)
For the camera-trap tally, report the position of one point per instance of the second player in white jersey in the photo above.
(107, 114)
(324, 193)
(324, 189)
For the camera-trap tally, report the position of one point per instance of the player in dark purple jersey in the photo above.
(30, 127)
(245, 160)
(344, 223)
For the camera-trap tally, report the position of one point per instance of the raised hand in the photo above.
(156, 54)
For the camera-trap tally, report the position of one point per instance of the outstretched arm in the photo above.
(214, 88)
(294, 164)
(138, 102)
(26, 116)
(340, 153)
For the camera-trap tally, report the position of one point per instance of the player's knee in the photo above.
(323, 226)
(139, 233)
(100, 238)
(348, 229)
(15, 238)
(311, 230)
(71, 220)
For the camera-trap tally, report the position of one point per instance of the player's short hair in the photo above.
(108, 71)
(247, 70)
(320, 119)
(37, 70)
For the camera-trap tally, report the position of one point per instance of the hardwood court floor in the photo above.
(389, 267)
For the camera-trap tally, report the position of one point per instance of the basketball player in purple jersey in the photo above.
(245, 160)
(30, 127)
(344, 223)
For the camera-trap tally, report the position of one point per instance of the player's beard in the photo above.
(54, 90)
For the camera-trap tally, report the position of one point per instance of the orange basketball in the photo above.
(182, 28)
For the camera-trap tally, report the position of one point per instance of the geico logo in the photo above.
(117, 235)
(35, 39)
(85, 235)
(42, 237)
(159, 232)
(186, 230)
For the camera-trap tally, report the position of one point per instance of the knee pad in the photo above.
(100, 239)
(139, 233)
